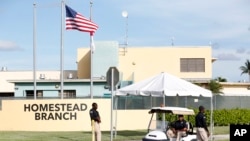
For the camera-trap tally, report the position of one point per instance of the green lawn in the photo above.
(221, 130)
(81, 136)
(67, 136)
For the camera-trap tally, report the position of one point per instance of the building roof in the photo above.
(54, 80)
(235, 83)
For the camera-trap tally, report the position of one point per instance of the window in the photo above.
(7, 94)
(68, 93)
(30, 93)
(192, 64)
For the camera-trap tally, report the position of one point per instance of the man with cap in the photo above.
(201, 125)
(180, 127)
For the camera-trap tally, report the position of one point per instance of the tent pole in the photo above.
(163, 115)
(151, 101)
(211, 119)
(186, 101)
(164, 101)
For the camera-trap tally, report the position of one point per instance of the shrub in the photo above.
(221, 117)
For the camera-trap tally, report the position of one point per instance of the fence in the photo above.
(142, 102)
(219, 102)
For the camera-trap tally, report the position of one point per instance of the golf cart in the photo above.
(157, 130)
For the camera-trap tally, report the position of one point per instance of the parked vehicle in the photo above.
(157, 129)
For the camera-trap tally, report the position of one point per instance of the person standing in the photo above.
(95, 117)
(201, 125)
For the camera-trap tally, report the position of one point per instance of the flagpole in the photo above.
(91, 56)
(34, 48)
(73, 19)
(62, 49)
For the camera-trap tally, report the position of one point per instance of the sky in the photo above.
(222, 24)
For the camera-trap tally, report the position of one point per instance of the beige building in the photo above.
(235, 89)
(185, 62)
(136, 63)
(193, 63)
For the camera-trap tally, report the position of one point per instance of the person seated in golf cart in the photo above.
(180, 127)
(164, 133)
(171, 131)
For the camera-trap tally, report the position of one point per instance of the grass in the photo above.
(68, 136)
(82, 136)
(221, 130)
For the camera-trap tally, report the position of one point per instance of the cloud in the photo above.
(225, 21)
(240, 50)
(227, 57)
(216, 19)
(8, 46)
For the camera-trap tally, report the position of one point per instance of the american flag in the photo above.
(76, 21)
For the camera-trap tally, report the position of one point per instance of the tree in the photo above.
(246, 68)
(220, 79)
(215, 87)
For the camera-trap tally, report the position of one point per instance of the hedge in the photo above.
(221, 117)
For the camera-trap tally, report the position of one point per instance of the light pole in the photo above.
(34, 48)
(125, 15)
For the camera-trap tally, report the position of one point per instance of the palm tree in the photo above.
(246, 68)
(220, 79)
(215, 87)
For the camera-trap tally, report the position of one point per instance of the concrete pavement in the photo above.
(221, 137)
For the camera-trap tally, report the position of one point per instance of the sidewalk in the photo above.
(220, 137)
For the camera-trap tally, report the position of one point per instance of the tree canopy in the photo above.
(246, 68)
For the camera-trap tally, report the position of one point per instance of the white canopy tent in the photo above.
(165, 84)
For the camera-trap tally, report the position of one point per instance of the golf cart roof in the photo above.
(172, 110)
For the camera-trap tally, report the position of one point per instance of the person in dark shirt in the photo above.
(201, 125)
(180, 127)
(171, 131)
(95, 117)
